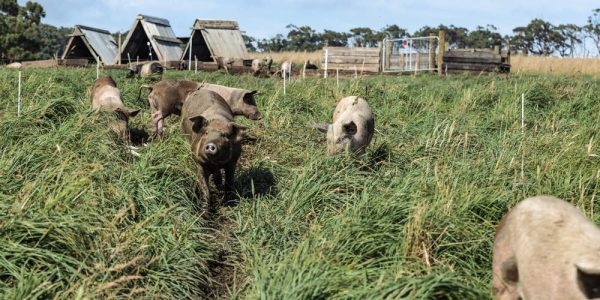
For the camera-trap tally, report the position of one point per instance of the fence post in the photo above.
(304, 69)
(440, 57)
(387, 54)
(284, 75)
(195, 64)
(120, 47)
(19, 97)
(431, 52)
(190, 49)
(326, 59)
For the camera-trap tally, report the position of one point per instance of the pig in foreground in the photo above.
(167, 97)
(352, 128)
(207, 120)
(545, 248)
(145, 70)
(106, 96)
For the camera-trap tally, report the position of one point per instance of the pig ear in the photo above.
(350, 128)
(132, 112)
(510, 271)
(588, 280)
(197, 123)
(320, 127)
(121, 114)
(255, 92)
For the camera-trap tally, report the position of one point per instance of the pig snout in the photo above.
(256, 116)
(210, 149)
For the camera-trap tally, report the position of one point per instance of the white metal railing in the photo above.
(409, 54)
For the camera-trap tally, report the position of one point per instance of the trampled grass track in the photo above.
(414, 218)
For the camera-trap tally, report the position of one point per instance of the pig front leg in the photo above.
(218, 178)
(229, 176)
(157, 117)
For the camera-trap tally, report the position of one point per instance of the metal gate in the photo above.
(409, 54)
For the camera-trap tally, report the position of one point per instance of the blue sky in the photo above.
(265, 18)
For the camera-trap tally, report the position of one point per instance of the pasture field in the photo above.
(81, 217)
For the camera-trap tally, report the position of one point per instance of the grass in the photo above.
(519, 63)
(413, 218)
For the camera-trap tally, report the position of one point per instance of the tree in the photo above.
(334, 39)
(571, 37)
(275, 44)
(302, 38)
(249, 42)
(364, 37)
(20, 36)
(592, 28)
(538, 37)
(53, 40)
(484, 37)
(455, 36)
(394, 32)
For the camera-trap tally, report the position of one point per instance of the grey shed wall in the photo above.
(157, 31)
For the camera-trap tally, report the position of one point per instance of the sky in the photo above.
(265, 18)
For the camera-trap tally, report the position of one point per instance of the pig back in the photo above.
(105, 94)
(357, 110)
(207, 104)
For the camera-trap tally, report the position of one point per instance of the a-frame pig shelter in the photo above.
(93, 44)
(215, 38)
(151, 35)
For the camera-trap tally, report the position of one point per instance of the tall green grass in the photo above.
(414, 218)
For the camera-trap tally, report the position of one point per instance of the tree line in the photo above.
(539, 37)
(24, 37)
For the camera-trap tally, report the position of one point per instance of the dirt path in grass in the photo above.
(222, 265)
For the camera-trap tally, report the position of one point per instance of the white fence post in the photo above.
(196, 64)
(326, 61)
(284, 77)
(19, 97)
(522, 112)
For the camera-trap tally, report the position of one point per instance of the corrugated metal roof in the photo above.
(164, 41)
(98, 42)
(223, 38)
(102, 43)
(155, 20)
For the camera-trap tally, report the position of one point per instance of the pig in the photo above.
(215, 139)
(106, 96)
(15, 65)
(310, 66)
(286, 69)
(352, 128)
(145, 69)
(241, 101)
(167, 97)
(545, 248)
(257, 66)
(269, 62)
